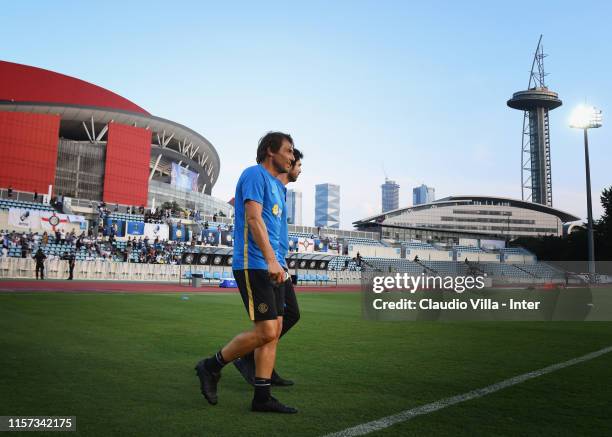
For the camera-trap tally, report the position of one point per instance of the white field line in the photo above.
(385, 422)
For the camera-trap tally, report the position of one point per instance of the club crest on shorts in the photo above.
(262, 308)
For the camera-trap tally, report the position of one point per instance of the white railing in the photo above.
(25, 268)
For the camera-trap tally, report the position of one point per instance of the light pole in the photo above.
(587, 117)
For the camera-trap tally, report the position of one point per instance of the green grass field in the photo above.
(123, 364)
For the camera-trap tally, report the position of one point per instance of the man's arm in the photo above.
(260, 235)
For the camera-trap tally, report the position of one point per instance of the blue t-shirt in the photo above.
(283, 243)
(258, 185)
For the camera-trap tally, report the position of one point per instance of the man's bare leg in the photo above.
(265, 356)
(264, 331)
(264, 338)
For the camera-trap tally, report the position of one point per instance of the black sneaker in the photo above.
(246, 370)
(279, 381)
(208, 382)
(272, 405)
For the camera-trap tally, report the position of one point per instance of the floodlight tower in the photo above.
(536, 102)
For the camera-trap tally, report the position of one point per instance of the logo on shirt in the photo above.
(276, 210)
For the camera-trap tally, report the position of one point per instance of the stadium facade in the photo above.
(454, 218)
(89, 143)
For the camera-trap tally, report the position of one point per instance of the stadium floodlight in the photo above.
(587, 117)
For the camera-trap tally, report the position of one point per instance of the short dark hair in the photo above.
(271, 141)
(297, 155)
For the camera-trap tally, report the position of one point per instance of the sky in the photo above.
(415, 91)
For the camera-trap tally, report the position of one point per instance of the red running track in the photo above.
(12, 285)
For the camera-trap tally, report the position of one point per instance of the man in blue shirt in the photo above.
(259, 204)
(246, 364)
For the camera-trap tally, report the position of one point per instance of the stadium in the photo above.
(154, 290)
(90, 144)
(457, 218)
(61, 137)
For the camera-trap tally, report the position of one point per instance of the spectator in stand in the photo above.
(68, 256)
(9, 192)
(24, 246)
(116, 208)
(35, 196)
(60, 202)
(214, 217)
(40, 258)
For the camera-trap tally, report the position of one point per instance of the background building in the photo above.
(390, 195)
(327, 206)
(423, 194)
(89, 143)
(294, 207)
(454, 218)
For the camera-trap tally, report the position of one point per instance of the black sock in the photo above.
(262, 389)
(250, 359)
(215, 363)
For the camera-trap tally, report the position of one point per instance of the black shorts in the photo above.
(292, 310)
(262, 299)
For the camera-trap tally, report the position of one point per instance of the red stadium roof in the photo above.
(22, 83)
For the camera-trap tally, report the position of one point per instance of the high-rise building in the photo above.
(327, 206)
(390, 195)
(423, 194)
(294, 207)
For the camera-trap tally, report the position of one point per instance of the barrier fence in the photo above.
(25, 268)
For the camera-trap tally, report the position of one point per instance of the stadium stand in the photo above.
(301, 235)
(418, 245)
(542, 270)
(393, 265)
(339, 263)
(468, 249)
(362, 241)
(126, 216)
(8, 203)
(504, 271)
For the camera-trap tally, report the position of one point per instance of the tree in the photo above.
(605, 223)
(603, 227)
(574, 246)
